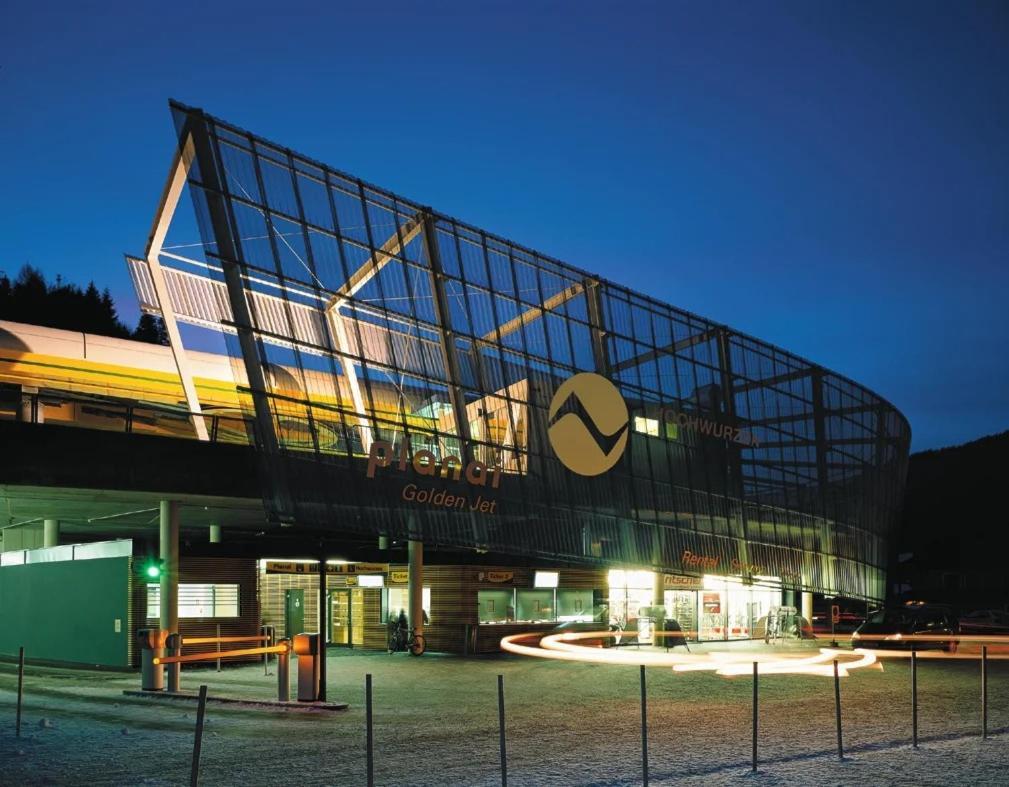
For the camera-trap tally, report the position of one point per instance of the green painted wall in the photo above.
(67, 611)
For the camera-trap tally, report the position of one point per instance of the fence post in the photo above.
(501, 730)
(644, 729)
(194, 775)
(218, 646)
(984, 691)
(754, 717)
(837, 710)
(369, 737)
(21, 683)
(914, 698)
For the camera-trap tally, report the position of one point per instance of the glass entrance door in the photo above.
(346, 617)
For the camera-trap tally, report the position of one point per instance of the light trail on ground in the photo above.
(569, 647)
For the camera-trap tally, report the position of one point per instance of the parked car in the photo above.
(985, 622)
(901, 627)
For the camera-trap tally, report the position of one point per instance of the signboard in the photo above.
(399, 576)
(495, 576)
(677, 582)
(835, 613)
(294, 567)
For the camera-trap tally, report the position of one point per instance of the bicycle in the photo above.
(413, 641)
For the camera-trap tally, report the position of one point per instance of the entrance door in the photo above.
(294, 612)
(340, 618)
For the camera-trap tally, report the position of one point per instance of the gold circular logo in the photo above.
(587, 424)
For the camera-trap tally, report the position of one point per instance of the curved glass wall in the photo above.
(388, 350)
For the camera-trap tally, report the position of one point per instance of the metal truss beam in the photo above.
(177, 176)
(533, 313)
(669, 349)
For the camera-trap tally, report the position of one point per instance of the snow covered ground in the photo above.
(568, 724)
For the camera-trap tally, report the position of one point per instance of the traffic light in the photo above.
(152, 569)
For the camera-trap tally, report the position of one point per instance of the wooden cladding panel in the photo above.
(207, 570)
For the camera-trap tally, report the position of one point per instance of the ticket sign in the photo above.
(399, 576)
(495, 576)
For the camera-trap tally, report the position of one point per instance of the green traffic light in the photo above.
(154, 571)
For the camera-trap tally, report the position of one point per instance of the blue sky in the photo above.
(833, 178)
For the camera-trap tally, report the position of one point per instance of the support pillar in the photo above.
(215, 534)
(169, 554)
(415, 585)
(50, 532)
(807, 607)
(323, 620)
(383, 542)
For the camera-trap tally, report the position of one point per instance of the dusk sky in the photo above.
(833, 178)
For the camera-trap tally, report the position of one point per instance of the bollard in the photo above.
(754, 717)
(644, 729)
(218, 646)
(152, 645)
(21, 685)
(501, 730)
(194, 774)
(914, 698)
(284, 672)
(984, 692)
(370, 742)
(837, 710)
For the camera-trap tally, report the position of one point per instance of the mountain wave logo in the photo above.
(587, 424)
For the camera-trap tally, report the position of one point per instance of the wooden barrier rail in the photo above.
(214, 655)
(222, 640)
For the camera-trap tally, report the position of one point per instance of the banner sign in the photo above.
(677, 582)
(292, 567)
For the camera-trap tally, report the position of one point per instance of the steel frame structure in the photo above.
(393, 322)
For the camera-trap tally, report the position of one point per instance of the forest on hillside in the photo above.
(29, 298)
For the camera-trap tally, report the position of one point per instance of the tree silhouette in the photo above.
(32, 300)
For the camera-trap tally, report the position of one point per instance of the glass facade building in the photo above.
(400, 367)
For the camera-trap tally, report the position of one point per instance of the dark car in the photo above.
(919, 626)
(985, 622)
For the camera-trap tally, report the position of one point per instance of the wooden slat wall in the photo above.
(240, 571)
(271, 596)
(454, 606)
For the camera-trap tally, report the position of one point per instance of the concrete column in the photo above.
(215, 534)
(383, 542)
(415, 585)
(659, 589)
(50, 532)
(169, 554)
(807, 607)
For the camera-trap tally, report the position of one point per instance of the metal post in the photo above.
(644, 729)
(837, 710)
(218, 646)
(984, 691)
(754, 717)
(21, 683)
(370, 740)
(501, 730)
(323, 614)
(914, 698)
(284, 674)
(194, 775)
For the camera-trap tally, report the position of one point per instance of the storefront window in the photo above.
(535, 605)
(496, 606)
(574, 605)
(681, 606)
(397, 599)
(629, 591)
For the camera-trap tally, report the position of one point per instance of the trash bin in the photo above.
(152, 645)
(308, 649)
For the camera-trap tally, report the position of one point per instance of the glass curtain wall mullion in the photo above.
(377, 278)
(282, 278)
